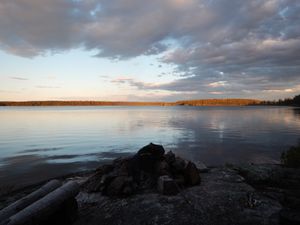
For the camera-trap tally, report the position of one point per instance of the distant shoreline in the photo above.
(195, 102)
(200, 102)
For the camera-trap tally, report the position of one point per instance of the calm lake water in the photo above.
(37, 143)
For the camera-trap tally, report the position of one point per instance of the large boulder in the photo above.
(191, 174)
(149, 155)
(146, 160)
(170, 157)
(178, 165)
(153, 150)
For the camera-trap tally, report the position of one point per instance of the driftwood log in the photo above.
(46, 207)
(28, 200)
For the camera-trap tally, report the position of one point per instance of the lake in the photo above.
(38, 143)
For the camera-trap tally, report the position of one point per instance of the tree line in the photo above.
(295, 101)
(201, 102)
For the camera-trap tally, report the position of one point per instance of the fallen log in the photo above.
(27, 200)
(45, 207)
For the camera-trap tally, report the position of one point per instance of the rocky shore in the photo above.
(155, 187)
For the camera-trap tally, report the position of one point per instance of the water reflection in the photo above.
(296, 111)
(242, 134)
(43, 142)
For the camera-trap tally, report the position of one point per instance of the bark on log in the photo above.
(27, 200)
(46, 206)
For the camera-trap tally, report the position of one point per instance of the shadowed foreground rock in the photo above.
(279, 183)
(154, 187)
(159, 188)
(223, 198)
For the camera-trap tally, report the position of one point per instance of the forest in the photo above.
(295, 101)
(201, 102)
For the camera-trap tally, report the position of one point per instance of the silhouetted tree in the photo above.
(296, 100)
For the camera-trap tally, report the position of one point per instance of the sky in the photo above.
(142, 50)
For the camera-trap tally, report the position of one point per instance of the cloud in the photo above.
(251, 45)
(18, 78)
(104, 76)
(51, 77)
(218, 84)
(135, 83)
(216, 92)
(46, 87)
(8, 91)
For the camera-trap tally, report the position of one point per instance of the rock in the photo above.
(216, 201)
(178, 165)
(94, 183)
(67, 214)
(180, 181)
(153, 150)
(127, 190)
(201, 167)
(135, 168)
(120, 160)
(107, 178)
(191, 174)
(122, 166)
(148, 181)
(292, 199)
(289, 217)
(119, 185)
(270, 175)
(147, 157)
(141, 171)
(278, 183)
(260, 174)
(167, 186)
(105, 168)
(170, 157)
(162, 168)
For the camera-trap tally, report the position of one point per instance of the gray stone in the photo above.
(178, 165)
(96, 182)
(116, 186)
(289, 217)
(152, 150)
(162, 168)
(201, 167)
(170, 157)
(146, 159)
(191, 174)
(167, 186)
(179, 179)
(216, 201)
